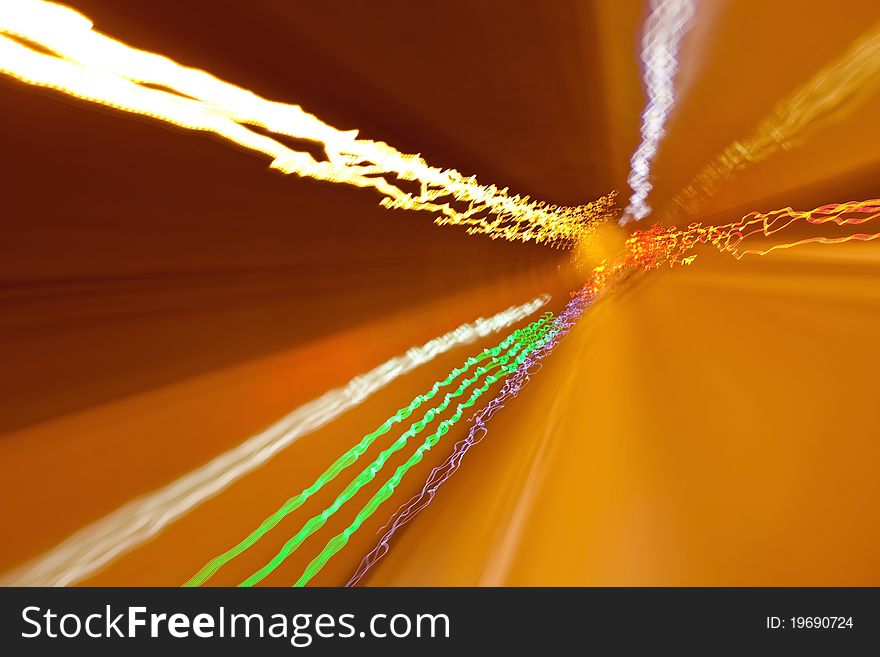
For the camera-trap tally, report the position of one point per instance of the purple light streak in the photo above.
(512, 386)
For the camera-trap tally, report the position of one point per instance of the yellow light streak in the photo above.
(660, 246)
(836, 88)
(52, 46)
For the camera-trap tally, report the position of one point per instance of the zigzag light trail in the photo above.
(439, 475)
(515, 341)
(50, 46)
(95, 68)
(661, 245)
(664, 28)
(103, 541)
(643, 250)
(339, 541)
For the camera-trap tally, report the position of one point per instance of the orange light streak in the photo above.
(658, 246)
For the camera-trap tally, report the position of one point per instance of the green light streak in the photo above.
(339, 541)
(531, 333)
(524, 334)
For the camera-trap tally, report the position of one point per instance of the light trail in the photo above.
(842, 85)
(95, 68)
(644, 250)
(439, 475)
(659, 245)
(665, 27)
(348, 458)
(103, 541)
(92, 67)
(339, 541)
(136, 522)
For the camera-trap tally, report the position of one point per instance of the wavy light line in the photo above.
(349, 458)
(841, 85)
(644, 250)
(439, 475)
(95, 68)
(659, 246)
(100, 543)
(340, 540)
(367, 474)
(667, 23)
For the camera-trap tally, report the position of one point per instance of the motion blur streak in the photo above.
(439, 475)
(354, 453)
(98, 69)
(133, 524)
(840, 86)
(669, 245)
(666, 25)
(644, 250)
(541, 337)
(520, 342)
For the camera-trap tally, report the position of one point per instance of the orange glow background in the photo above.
(705, 425)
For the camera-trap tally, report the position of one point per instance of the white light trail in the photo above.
(51, 46)
(101, 542)
(667, 23)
